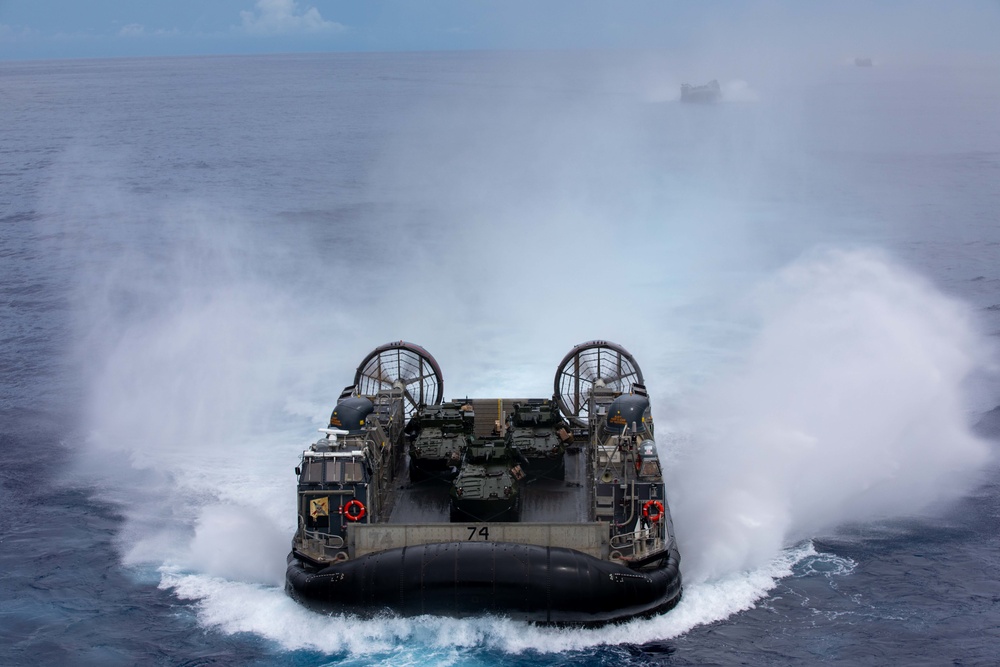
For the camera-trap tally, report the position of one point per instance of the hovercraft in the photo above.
(709, 93)
(536, 509)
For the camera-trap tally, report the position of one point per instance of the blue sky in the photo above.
(31, 29)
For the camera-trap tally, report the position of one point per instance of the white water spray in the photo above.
(198, 392)
(847, 407)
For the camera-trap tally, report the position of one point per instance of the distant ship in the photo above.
(549, 510)
(863, 62)
(710, 92)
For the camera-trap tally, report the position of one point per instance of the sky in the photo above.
(55, 29)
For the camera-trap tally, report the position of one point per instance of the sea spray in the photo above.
(837, 412)
(233, 606)
(199, 389)
(847, 406)
(207, 376)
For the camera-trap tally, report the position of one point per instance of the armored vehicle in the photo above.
(438, 434)
(486, 488)
(595, 547)
(539, 433)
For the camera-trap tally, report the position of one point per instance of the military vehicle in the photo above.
(536, 429)
(438, 434)
(594, 548)
(486, 488)
(710, 92)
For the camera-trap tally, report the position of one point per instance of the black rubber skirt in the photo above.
(521, 581)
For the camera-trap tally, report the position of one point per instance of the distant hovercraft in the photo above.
(709, 93)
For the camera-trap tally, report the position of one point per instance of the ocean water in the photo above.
(197, 252)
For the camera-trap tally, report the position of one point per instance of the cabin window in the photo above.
(344, 472)
(313, 472)
(353, 472)
(333, 471)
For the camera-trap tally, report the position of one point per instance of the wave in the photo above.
(234, 606)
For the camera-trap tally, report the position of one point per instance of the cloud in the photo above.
(10, 33)
(282, 17)
(139, 30)
(132, 30)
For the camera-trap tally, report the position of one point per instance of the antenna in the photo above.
(332, 433)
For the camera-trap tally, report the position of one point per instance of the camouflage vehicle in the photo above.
(486, 488)
(437, 436)
(537, 430)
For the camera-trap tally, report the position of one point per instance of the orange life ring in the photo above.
(657, 507)
(354, 510)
